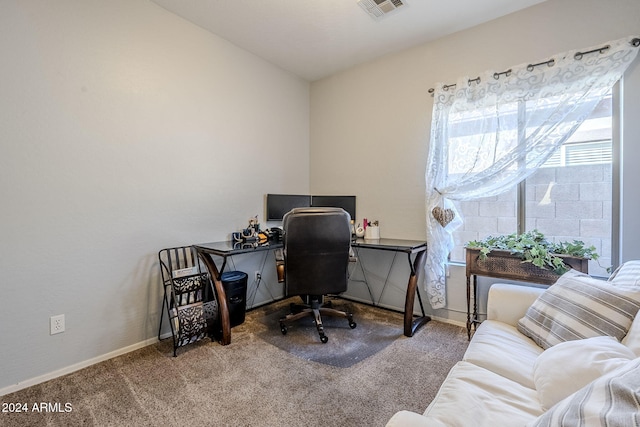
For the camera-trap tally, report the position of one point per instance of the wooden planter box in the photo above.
(503, 264)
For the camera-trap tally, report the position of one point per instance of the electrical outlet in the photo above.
(57, 324)
(257, 276)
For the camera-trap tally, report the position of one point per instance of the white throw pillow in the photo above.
(611, 400)
(628, 274)
(567, 367)
(578, 306)
(632, 339)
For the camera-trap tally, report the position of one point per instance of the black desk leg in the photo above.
(411, 325)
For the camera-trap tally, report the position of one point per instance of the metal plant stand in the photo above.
(504, 265)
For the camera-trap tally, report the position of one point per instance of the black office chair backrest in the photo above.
(316, 250)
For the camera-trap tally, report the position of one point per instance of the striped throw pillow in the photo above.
(578, 306)
(627, 274)
(611, 400)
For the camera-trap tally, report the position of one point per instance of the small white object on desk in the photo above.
(372, 232)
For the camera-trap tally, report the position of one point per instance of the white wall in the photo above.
(123, 129)
(370, 125)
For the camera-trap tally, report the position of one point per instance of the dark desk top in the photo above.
(398, 245)
(231, 248)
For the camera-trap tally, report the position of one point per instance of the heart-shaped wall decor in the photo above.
(443, 216)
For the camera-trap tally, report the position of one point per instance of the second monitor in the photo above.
(279, 204)
(348, 203)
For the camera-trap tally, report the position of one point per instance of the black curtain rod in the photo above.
(578, 56)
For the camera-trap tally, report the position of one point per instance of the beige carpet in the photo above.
(250, 382)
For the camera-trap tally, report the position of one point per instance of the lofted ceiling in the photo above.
(316, 38)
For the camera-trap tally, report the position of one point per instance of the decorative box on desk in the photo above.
(505, 265)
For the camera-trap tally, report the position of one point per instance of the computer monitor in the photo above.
(280, 204)
(348, 203)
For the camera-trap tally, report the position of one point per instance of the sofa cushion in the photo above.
(412, 419)
(508, 303)
(611, 400)
(628, 274)
(578, 306)
(474, 396)
(500, 348)
(567, 367)
(632, 339)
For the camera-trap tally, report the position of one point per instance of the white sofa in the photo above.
(507, 379)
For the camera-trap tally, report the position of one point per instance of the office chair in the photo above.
(316, 258)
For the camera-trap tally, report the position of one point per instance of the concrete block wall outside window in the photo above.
(564, 203)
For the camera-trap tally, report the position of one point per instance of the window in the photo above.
(569, 197)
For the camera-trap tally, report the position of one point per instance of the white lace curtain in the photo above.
(489, 133)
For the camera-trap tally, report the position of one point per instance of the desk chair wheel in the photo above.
(283, 328)
(324, 339)
(352, 324)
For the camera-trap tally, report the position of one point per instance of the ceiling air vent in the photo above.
(380, 8)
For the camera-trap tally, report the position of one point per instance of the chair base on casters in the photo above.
(315, 308)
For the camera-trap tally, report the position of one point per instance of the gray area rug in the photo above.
(375, 330)
(250, 382)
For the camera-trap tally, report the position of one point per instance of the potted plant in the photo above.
(533, 250)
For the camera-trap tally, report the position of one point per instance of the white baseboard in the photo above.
(449, 321)
(398, 310)
(76, 367)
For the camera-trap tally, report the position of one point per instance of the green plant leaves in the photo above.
(533, 247)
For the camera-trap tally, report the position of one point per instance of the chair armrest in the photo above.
(412, 419)
(509, 303)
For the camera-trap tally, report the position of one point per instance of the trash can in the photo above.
(235, 287)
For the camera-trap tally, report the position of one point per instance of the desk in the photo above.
(415, 248)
